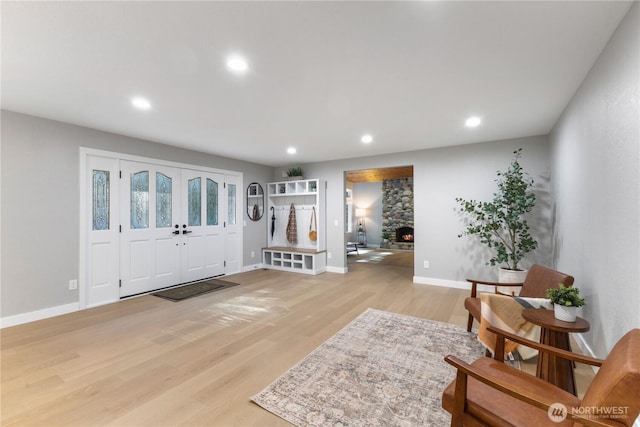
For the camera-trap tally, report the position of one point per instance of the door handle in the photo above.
(185, 231)
(176, 232)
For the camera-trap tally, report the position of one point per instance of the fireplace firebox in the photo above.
(404, 234)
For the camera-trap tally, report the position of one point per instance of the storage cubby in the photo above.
(306, 255)
(298, 260)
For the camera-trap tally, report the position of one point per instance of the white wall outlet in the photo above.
(426, 264)
(329, 255)
(73, 284)
(253, 254)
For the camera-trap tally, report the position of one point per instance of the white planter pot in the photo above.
(564, 313)
(511, 276)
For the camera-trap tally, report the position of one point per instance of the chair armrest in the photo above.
(486, 282)
(475, 283)
(499, 384)
(522, 394)
(564, 354)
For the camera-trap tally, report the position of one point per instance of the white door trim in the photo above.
(84, 152)
(85, 204)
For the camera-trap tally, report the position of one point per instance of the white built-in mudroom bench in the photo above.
(289, 202)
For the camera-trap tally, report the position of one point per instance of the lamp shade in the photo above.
(361, 212)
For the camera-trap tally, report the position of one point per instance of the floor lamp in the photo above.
(361, 214)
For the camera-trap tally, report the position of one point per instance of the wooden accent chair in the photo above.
(538, 280)
(490, 393)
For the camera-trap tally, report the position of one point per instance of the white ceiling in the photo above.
(321, 73)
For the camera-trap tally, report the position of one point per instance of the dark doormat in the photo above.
(187, 291)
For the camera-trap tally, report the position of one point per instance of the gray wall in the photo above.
(441, 175)
(595, 148)
(40, 205)
(368, 195)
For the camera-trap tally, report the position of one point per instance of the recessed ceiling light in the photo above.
(237, 64)
(473, 121)
(291, 150)
(141, 103)
(366, 139)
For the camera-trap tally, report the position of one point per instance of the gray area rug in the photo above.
(382, 369)
(187, 291)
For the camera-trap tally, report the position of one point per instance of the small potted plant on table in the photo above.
(565, 302)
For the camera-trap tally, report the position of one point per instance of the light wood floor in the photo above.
(150, 362)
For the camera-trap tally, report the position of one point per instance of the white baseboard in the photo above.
(587, 351)
(449, 283)
(441, 282)
(251, 267)
(339, 270)
(32, 316)
(584, 347)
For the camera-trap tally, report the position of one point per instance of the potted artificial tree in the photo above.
(565, 302)
(500, 224)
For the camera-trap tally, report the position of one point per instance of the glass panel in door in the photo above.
(231, 204)
(212, 202)
(139, 201)
(194, 202)
(101, 205)
(163, 201)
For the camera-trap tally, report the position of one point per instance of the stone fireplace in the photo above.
(397, 212)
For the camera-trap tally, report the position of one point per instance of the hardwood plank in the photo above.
(151, 362)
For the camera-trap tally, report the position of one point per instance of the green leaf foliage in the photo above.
(500, 224)
(569, 297)
(294, 171)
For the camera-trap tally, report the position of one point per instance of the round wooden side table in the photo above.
(555, 333)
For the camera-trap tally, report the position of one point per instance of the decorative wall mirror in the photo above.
(255, 201)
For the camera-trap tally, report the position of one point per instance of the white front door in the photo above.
(150, 238)
(148, 225)
(233, 228)
(202, 225)
(101, 219)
